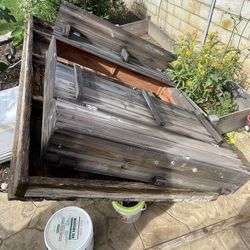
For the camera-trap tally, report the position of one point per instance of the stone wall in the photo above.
(176, 17)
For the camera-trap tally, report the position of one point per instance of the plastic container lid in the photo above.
(70, 228)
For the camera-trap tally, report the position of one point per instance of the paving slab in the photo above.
(226, 240)
(22, 223)
(14, 216)
(156, 225)
(26, 239)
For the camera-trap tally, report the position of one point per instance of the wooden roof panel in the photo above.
(99, 37)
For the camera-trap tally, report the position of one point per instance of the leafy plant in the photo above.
(47, 9)
(18, 35)
(202, 72)
(231, 137)
(5, 14)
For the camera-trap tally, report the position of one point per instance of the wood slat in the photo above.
(108, 113)
(100, 32)
(59, 188)
(137, 28)
(87, 145)
(20, 152)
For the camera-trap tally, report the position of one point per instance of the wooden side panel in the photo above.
(138, 28)
(106, 127)
(103, 34)
(49, 103)
(161, 37)
(20, 156)
(58, 188)
(108, 68)
(232, 121)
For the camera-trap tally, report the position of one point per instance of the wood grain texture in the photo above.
(61, 188)
(233, 121)
(137, 28)
(110, 130)
(20, 152)
(32, 177)
(109, 68)
(49, 114)
(103, 34)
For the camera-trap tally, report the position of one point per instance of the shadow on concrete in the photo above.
(243, 229)
(110, 232)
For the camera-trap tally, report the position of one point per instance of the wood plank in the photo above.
(118, 162)
(102, 32)
(48, 122)
(60, 188)
(161, 37)
(113, 96)
(115, 59)
(137, 28)
(20, 152)
(110, 69)
(138, 134)
(126, 170)
(232, 121)
(207, 124)
(155, 112)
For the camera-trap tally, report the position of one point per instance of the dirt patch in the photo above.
(9, 78)
(4, 176)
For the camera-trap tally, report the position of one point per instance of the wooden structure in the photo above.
(61, 179)
(109, 129)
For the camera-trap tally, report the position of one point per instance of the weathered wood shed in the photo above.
(109, 129)
(84, 40)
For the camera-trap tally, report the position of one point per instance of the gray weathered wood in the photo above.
(114, 115)
(137, 28)
(218, 138)
(107, 41)
(161, 37)
(61, 188)
(155, 112)
(20, 153)
(232, 121)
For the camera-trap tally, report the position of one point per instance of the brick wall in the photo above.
(176, 17)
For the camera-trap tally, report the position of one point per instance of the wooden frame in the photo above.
(31, 179)
(27, 183)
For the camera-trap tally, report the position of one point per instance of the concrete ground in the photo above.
(22, 223)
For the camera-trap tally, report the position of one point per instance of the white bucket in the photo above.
(129, 214)
(70, 228)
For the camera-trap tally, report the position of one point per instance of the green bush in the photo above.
(47, 9)
(203, 72)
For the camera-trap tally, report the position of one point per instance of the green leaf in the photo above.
(17, 34)
(3, 67)
(5, 14)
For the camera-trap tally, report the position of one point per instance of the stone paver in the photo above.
(22, 223)
(156, 225)
(227, 240)
(14, 216)
(243, 144)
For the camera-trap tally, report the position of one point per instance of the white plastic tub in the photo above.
(70, 228)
